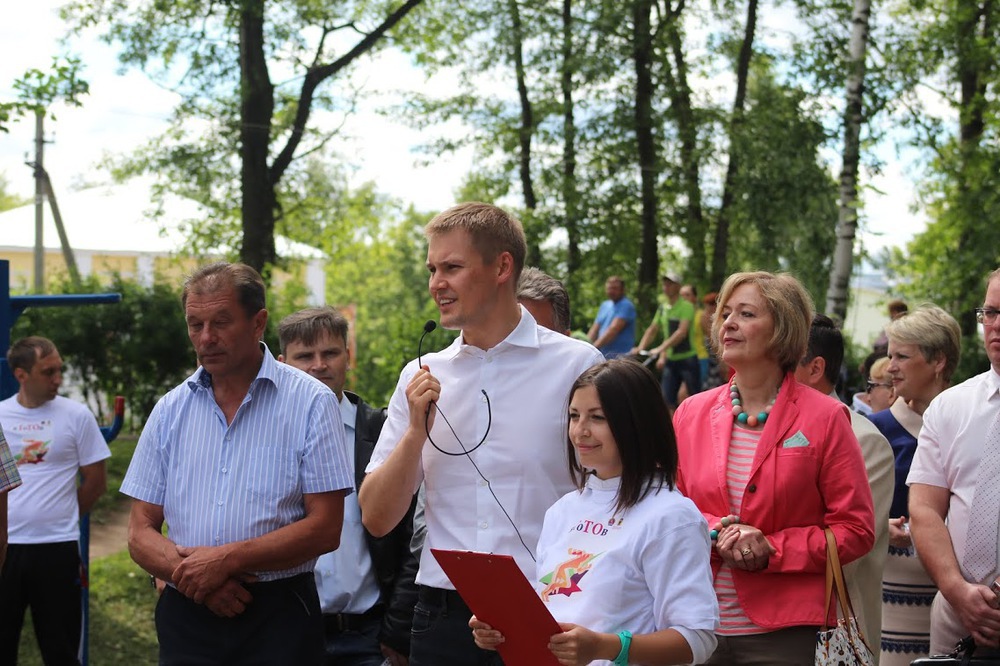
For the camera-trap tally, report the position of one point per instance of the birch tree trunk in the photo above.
(847, 218)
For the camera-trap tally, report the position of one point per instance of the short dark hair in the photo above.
(535, 285)
(492, 230)
(27, 351)
(640, 422)
(243, 279)
(827, 342)
(897, 306)
(307, 325)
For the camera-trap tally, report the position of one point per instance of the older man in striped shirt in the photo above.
(246, 463)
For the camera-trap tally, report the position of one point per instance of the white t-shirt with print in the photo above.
(645, 570)
(50, 444)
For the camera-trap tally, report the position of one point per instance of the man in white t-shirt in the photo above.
(482, 423)
(54, 441)
(958, 439)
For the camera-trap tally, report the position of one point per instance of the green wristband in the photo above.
(626, 638)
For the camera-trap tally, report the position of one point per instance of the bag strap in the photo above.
(835, 579)
(833, 568)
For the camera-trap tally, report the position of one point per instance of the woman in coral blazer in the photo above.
(770, 464)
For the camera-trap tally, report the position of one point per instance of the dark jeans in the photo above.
(282, 625)
(46, 578)
(687, 371)
(441, 634)
(352, 640)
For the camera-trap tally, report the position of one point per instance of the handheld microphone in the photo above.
(429, 326)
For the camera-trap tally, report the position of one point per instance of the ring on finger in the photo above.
(746, 551)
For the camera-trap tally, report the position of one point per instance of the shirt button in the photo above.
(751, 488)
(224, 470)
(219, 502)
(484, 399)
(483, 482)
(483, 525)
(218, 538)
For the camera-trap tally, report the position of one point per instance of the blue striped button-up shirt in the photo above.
(218, 482)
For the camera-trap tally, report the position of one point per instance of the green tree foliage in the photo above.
(7, 199)
(137, 348)
(236, 132)
(36, 90)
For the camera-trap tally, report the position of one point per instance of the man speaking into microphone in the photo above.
(481, 423)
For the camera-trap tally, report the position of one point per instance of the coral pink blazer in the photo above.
(807, 474)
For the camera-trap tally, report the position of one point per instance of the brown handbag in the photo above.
(843, 644)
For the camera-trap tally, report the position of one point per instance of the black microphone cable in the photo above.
(429, 326)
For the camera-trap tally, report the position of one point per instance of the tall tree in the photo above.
(847, 213)
(720, 248)
(267, 123)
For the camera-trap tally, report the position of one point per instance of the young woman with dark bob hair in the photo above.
(623, 562)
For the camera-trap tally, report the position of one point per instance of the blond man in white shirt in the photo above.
(503, 386)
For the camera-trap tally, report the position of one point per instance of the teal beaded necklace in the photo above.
(741, 416)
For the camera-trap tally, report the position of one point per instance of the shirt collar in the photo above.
(993, 382)
(594, 483)
(348, 411)
(525, 334)
(268, 372)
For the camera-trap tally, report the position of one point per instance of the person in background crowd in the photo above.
(818, 370)
(545, 298)
(861, 402)
(896, 309)
(954, 504)
(366, 587)
(771, 463)
(55, 441)
(613, 331)
(495, 384)
(647, 597)
(700, 339)
(677, 358)
(924, 348)
(881, 394)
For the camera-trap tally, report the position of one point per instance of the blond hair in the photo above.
(492, 230)
(933, 331)
(790, 306)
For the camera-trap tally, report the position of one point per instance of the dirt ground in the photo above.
(111, 535)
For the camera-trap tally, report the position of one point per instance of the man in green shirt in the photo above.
(677, 356)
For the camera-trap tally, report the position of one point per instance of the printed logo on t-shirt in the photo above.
(597, 528)
(566, 577)
(35, 439)
(33, 452)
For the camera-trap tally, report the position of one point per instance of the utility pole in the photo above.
(39, 202)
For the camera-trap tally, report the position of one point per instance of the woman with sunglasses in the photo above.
(623, 562)
(880, 392)
(924, 348)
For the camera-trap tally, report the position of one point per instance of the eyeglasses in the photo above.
(987, 315)
(872, 385)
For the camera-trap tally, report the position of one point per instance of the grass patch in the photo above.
(112, 501)
(121, 617)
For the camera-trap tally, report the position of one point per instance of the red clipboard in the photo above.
(496, 591)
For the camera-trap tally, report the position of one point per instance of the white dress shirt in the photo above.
(345, 578)
(950, 447)
(527, 378)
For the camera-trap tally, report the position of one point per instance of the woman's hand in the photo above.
(744, 547)
(899, 533)
(485, 636)
(577, 646)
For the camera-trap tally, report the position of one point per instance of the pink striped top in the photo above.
(742, 447)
